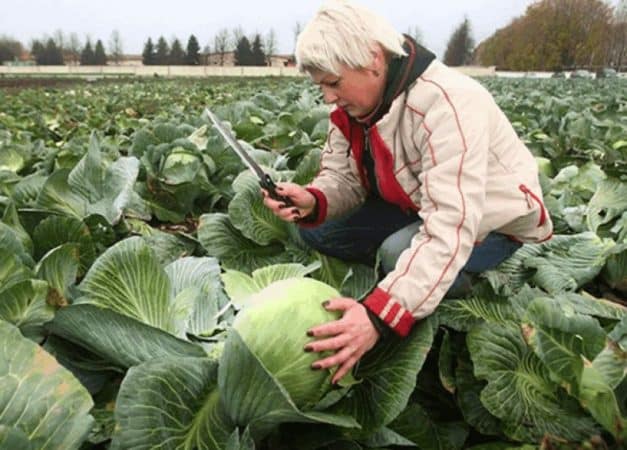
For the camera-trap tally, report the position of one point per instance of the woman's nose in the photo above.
(329, 96)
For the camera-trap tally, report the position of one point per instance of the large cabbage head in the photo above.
(274, 328)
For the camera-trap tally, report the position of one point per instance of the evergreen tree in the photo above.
(258, 56)
(163, 52)
(100, 57)
(460, 46)
(38, 51)
(192, 56)
(243, 53)
(177, 55)
(87, 55)
(148, 55)
(53, 54)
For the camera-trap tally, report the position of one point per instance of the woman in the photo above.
(420, 162)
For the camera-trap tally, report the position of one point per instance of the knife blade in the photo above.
(264, 179)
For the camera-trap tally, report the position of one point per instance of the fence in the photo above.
(180, 71)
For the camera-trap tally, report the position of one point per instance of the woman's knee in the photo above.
(394, 245)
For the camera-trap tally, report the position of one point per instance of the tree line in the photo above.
(64, 49)
(164, 54)
(558, 35)
(551, 35)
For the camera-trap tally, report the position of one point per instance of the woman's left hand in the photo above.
(350, 337)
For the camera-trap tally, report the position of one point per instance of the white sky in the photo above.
(136, 20)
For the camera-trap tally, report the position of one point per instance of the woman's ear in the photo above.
(377, 67)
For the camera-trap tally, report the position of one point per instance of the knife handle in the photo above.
(270, 186)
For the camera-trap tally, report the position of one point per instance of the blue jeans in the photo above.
(378, 226)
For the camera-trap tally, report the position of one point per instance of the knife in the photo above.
(264, 179)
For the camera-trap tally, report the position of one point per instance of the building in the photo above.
(227, 59)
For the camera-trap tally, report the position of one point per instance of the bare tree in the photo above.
(221, 43)
(74, 47)
(116, 49)
(59, 38)
(270, 45)
(618, 45)
(415, 33)
(297, 29)
(236, 35)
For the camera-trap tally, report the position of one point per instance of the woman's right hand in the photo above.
(303, 202)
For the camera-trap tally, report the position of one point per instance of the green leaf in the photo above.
(10, 244)
(118, 339)
(332, 271)
(171, 404)
(429, 434)
(602, 377)
(611, 362)
(256, 222)
(308, 167)
(14, 439)
(38, 396)
(446, 363)
(86, 178)
(360, 280)
(519, 390)
(223, 241)
(202, 274)
(598, 397)
(169, 247)
(23, 304)
(241, 377)
(239, 286)
(483, 306)
(615, 270)
(12, 270)
(585, 303)
(54, 231)
(27, 190)
(12, 220)
(608, 202)
(563, 264)
(385, 437)
(128, 279)
(90, 189)
(562, 340)
(60, 268)
(469, 399)
(237, 442)
(11, 159)
(388, 373)
(117, 192)
(57, 196)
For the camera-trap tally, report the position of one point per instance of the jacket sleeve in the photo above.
(337, 187)
(452, 182)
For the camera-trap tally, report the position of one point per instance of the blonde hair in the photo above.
(344, 33)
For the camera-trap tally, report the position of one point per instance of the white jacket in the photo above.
(446, 151)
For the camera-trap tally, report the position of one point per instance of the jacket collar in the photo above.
(402, 72)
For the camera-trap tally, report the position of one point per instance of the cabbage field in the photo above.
(148, 300)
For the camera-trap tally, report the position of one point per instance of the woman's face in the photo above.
(357, 91)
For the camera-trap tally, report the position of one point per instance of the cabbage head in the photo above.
(545, 167)
(274, 329)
